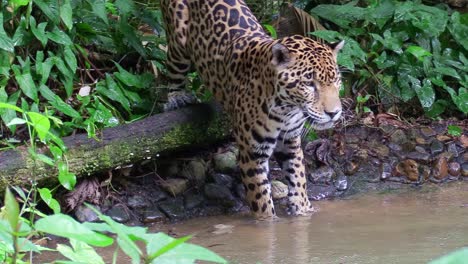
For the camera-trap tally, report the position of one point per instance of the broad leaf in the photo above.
(46, 196)
(41, 124)
(65, 226)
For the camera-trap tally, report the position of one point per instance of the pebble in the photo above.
(380, 150)
(464, 169)
(385, 171)
(153, 215)
(278, 190)
(324, 174)
(173, 208)
(341, 182)
(196, 170)
(427, 132)
(420, 141)
(418, 156)
(395, 147)
(436, 147)
(440, 169)
(175, 186)
(85, 214)
(223, 179)
(118, 214)
(398, 137)
(408, 168)
(464, 141)
(225, 162)
(452, 148)
(137, 201)
(420, 149)
(219, 193)
(454, 169)
(351, 167)
(193, 200)
(443, 138)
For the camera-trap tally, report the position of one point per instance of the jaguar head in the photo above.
(308, 78)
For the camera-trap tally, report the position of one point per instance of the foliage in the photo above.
(53, 55)
(15, 234)
(456, 257)
(405, 50)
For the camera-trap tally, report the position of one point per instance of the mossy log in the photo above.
(197, 125)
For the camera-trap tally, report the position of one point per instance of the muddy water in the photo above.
(409, 227)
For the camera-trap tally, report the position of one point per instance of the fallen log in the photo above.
(196, 125)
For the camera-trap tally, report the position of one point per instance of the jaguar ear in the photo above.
(281, 55)
(336, 47)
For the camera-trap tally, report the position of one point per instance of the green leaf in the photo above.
(80, 252)
(66, 13)
(59, 37)
(16, 121)
(457, 257)
(113, 91)
(10, 106)
(271, 30)
(460, 99)
(458, 27)
(99, 9)
(50, 8)
(66, 178)
(11, 210)
(181, 253)
(46, 196)
(425, 93)
(125, 6)
(342, 15)
(133, 80)
(6, 43)
(70, 59)
(25, 81)
(455, 131)
(47, 160)
(67, 227)
(418, 52)
(39, 31)
(41, 124)
(447, 71)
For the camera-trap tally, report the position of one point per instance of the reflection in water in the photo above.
(412, 227)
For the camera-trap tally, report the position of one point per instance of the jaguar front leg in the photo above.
(254, 172)
(288, 154)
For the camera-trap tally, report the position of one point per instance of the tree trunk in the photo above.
(197, 125)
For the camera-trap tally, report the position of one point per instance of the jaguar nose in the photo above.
(334, 115)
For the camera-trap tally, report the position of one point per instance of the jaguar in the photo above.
(269, 88)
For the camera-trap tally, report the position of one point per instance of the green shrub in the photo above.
(403, 52)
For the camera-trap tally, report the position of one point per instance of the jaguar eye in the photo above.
(309, 84)
(308, 76)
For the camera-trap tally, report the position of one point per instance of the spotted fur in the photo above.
(269, 87)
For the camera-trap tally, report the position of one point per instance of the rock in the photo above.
(223, 179)
(195, 170)
(341, 182)
(464, 169)
(440, 169)
(278, 190)
(385, 170)
(419, 157)
(452, 148)
(324, 174)
(395, 147)
(137, 201)
(398, 137)
(425, 172)
(361, 155)
(86, 214)
(427, 132)
(193, 200)
(408, 146)
(420, 149)
(436, 147)
(380, 150)
(464, 141)
(352, 139)
(175, 186)
(454, 169)
(443, 138)
(118, 214)
(420, 141)
(219, 193)
(408, 168)
(174, 208)
(351, 167)
(225, 162)
(153, 215)
(447, 155)
(240, 191)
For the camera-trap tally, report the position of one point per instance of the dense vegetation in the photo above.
(70, 65)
